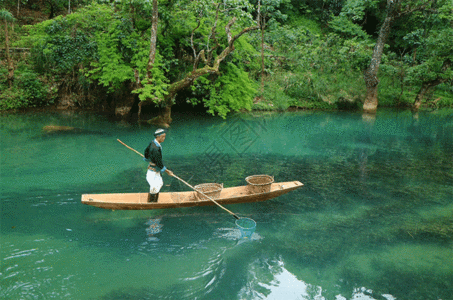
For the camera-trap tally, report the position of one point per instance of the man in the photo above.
(153, 155)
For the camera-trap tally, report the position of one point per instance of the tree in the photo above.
(432, 49)
(370, 74)
(63, 49)
(206, 58)
(444, 75)
(402, 14)
(267, 12)
(435, 65)
(152, 52)
(118, 48)
(7, 18)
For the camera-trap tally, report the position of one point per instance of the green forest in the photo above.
(143, 58)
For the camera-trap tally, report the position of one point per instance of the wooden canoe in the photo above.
(232, 195)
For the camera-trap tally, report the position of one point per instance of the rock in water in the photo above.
(55, 128)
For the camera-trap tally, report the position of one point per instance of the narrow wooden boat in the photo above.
(232, 195)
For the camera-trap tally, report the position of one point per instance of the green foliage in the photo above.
(233, 91)
(275, 97)
(28, 90)
(32, 86)
(349, 23)
(122, 51)
(246, 57)
(314, 72)
(98, 43)
(6, 16)
(271, 11)
(321, 11)
(114, 51)
(356, 9)
(345, 26)
(307, 24)
(424, 40)
(314, 51)
(156, 88)
(442, 96)
(433, 52)
(66, 44)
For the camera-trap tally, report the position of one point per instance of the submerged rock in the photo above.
(56, 129)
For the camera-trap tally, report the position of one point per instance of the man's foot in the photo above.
(153, 197)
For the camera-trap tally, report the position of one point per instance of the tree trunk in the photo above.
(420, 96)
(152, 56)
(428, 85)
(153, 41)
(8, 57)
(124, 101)
(52, 10)
(370, 74)
(262, 56)
(164, 118)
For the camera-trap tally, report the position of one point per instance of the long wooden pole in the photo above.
(228, 211)
(131, 148)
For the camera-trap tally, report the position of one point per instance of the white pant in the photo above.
(155, 181)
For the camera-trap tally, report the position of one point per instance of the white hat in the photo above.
(159, 132)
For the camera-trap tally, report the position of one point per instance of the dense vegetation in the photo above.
(136, 56)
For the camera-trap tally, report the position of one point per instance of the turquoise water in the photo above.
(373, 221)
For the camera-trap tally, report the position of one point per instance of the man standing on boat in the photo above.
(153, 155)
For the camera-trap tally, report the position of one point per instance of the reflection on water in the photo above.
(154, 227)
(282, 284)
(373, 221)
(235, 234)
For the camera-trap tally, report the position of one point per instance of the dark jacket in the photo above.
(153, 155)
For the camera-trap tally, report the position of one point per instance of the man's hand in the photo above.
(169, 172)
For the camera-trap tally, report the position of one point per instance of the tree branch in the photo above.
(212, 36)
(408, 10)
(196, 57)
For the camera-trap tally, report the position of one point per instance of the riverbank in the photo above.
(267, 108)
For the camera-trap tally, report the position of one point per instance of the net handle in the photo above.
(228, 211)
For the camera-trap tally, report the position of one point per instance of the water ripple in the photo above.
(27, 273)
(20, 253)
(208, 278)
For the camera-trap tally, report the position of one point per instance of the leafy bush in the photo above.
(27, 90)
(346, 27)
(232, 91)
(33, 87)
(443, 96)
(274, 95)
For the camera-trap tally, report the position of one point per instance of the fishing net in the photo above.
(246, 226)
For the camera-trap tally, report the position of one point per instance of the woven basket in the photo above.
(258, 184)
(211, 190)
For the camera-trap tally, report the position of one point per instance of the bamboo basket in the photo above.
(211, 190)
(258, 184)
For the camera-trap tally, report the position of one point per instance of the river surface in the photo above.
(374, 219)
